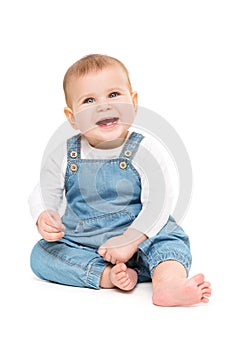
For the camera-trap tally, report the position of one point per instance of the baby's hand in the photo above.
(50, 226)
(121, 248)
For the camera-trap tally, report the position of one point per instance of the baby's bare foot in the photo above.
(123, 277)
(181, 292)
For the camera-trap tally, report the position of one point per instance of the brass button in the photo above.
(73, 167)
(73, 154)
(123, 165)
(128, 153)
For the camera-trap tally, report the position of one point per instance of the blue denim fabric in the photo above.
(76, 265)
(103, 198)
(170, 243)
(70, 264)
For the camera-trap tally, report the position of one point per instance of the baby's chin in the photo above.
(112, 137)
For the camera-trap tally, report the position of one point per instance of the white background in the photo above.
(179, 55)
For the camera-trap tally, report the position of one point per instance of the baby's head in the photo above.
(99, 97)
(90, 64)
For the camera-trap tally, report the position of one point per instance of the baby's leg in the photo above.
(172, 288)
(169, 259)
(119, 276)
(62, 263)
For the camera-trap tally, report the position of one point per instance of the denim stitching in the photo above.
(61, 258)
(170, 255)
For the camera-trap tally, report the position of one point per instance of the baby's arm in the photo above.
(46, 200)
(122, 248)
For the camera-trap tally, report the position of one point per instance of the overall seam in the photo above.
(64, 260)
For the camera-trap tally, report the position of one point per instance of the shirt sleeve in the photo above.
(158, 192)
(35, 203)
(49, 192)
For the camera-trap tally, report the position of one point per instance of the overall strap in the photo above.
(131, 146)
(74, 147)
(73, 152)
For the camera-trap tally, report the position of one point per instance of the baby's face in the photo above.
(103, 107)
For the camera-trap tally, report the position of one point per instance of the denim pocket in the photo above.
(113, 222)
(95, 231)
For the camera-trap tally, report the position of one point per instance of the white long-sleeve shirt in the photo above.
(159, 182)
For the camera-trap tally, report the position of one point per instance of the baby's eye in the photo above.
(89, 100)
(113, 94)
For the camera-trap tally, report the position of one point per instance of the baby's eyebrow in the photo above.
(113, 88)
(116, 89)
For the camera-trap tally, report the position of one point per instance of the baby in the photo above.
(108, 236)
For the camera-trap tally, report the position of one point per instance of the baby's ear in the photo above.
(70, 117)
(134, 96)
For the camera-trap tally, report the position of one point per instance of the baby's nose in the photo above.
(101, 107)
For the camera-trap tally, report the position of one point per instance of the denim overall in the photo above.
(103, 196)
(103, 199)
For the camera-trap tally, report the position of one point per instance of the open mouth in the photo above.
(107, 122)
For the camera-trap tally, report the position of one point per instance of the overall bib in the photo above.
(103, 196)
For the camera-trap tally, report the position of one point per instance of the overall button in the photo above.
(73, 154)
(73, 167)
(128, 153)
(123, 165)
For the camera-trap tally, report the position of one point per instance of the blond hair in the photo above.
(90, 63)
